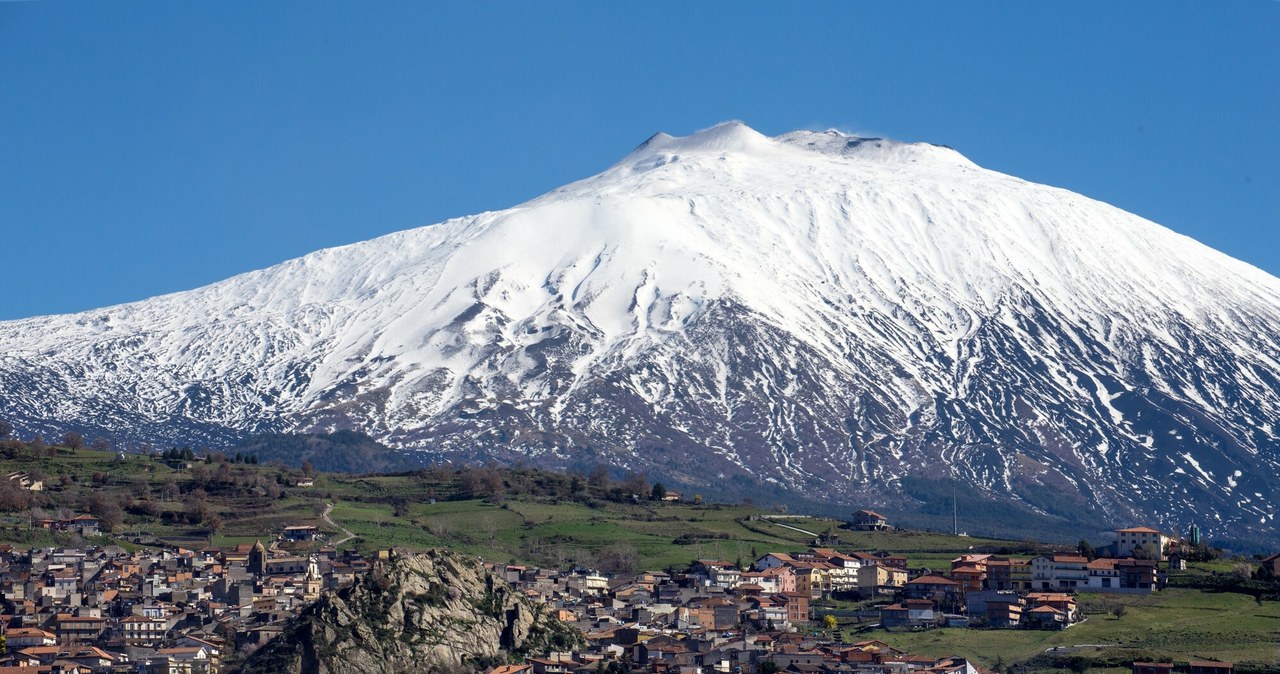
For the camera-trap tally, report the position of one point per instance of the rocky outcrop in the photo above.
(430, 612)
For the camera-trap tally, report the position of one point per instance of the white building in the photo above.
(1140, 540)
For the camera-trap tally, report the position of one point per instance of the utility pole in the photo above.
(955, 510)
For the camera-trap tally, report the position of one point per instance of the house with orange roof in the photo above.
(878, 579)
(783, 578)
(1009, 574)
(971, 577)
(971, 559)
(913, 613)
(41, 654)
(869, 520)
(890, 559)
(1103, 574)
(842, 569)
(1142, 542)
(511, 669)
(938, 588)
(1046, 617)
(1059, 601)
(73, 629)
(774, 560)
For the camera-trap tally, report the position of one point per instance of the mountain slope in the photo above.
(820, 312)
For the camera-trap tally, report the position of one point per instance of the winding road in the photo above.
(328, 508)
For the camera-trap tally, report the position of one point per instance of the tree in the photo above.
(1086, 549)
(101, 444)
(636, 484)
(1148, 551)
(481, 482)
(308, 469)
(6, 429)
(828, 622)
(73, 440)
(13, 497)
(1118, 610)
(146, 508)
(599, 477)
(659, 491)
(199, 511)
(619, 558)
(107, 510)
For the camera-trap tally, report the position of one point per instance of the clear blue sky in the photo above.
(149, 147)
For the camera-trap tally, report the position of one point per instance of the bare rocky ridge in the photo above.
(434, 612)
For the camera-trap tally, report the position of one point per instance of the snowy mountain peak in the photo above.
(724, 137)
(831, 315)
(727, 138)
(838, 143)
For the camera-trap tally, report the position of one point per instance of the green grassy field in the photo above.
(1172, 624)
(527, 529)
(534, 519)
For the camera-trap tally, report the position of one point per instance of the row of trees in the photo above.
(71, 440)
(492, 482)
(118, 493)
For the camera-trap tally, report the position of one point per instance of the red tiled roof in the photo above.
(932, 579)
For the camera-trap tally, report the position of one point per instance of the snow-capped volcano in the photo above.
(830, 314)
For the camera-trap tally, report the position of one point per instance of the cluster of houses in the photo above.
(176, 611)
(979, 589)
(155, 611)
(85, 525)
(717, 617)
(711, 617)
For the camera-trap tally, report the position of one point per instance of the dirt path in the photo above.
(328, 508)
(788, 526)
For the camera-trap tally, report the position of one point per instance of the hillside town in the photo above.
(153, 611)
(180, 611)
(717, 617)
